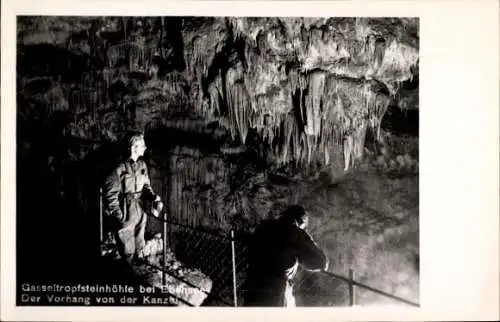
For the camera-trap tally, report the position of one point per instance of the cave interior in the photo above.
(242, 117)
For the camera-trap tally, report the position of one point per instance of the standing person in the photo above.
(127, 192)
(277, 248)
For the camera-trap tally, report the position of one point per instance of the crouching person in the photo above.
(128, 194)
(277, 248)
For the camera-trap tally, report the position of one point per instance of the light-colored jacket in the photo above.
(126, 191)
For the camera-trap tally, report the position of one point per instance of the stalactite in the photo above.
(304, 148)
(293, 77)
(359, 134)
(289, 126)
(309, 149)
(272, 133)
(132, 57)
(378, 53)
(178, 190)
(188, 61)
(295, 142)
(198, 50)
(187, 212)
(136, 56)
(239, 109)
(191, 214)
(398, 60)
(243, 114)
(316, 90)
(114, 54)
(141, 56)
(75, 101)
(348, 148)
(107, 74)
(327, 155)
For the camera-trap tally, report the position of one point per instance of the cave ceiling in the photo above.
(301, 86)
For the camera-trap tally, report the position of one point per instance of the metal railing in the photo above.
(352, 284)
(223, 258)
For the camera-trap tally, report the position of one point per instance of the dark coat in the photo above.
(277, 248)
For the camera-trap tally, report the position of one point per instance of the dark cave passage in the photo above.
(400, 122)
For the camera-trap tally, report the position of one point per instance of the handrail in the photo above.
(369, 288)
(345, 279)
(202, 230)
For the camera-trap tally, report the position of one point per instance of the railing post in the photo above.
(164, 273)
(233, 257)
(352, 298)
(101, 219)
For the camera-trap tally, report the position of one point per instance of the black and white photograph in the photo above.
(217, 161)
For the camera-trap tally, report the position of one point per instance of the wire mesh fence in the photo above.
(221, 257)
(224, 258)
(213, 254)
(209, 253)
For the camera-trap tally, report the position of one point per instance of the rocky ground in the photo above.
(177, 283)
